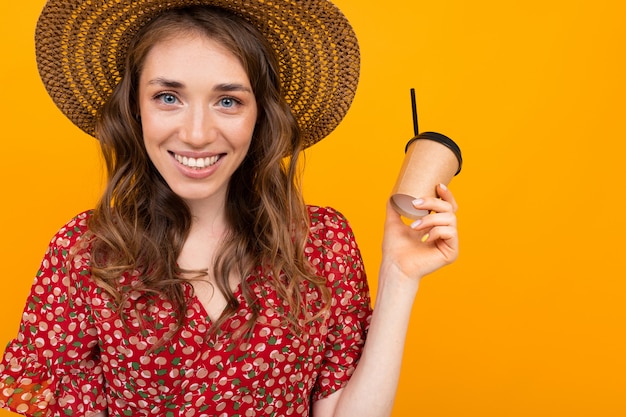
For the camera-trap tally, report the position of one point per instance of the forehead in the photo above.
(193, 57)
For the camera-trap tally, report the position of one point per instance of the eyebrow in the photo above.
(226, 87)
(164, 82)
(232, 87)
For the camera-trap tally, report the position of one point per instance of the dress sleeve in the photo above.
(52, 367)
(339, 260)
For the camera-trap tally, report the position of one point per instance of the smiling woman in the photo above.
(190, 116)
(201, 284)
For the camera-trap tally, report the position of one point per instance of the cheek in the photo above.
(245, 137)
(148, 117)
(247, 127)
(151, 127)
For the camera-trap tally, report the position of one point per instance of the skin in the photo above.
(191, 113)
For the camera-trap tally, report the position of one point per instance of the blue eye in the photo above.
(168, 98)
(228, 102)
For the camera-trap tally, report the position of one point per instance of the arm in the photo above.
(52, 367)
(409, 253)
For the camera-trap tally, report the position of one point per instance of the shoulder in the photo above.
(69, 248)
(65, 268)
(322, 218)
(332, 246)
(71, 232)
(331, 230)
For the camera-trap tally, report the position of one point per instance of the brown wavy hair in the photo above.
(140, 225)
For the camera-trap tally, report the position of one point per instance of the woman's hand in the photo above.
(428, 244)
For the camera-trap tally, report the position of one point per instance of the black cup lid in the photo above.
(444, 140)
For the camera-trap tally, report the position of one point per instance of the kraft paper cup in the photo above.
(430, 159)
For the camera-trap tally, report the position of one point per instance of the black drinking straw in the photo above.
(414, 108)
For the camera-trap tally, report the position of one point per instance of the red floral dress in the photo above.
(74, 355)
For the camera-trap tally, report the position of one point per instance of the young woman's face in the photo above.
(198, 113)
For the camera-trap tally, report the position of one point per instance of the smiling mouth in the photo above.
(197, 163)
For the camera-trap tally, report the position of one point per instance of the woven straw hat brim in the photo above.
(81, 45)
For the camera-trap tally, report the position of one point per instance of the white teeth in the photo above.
(197, 162)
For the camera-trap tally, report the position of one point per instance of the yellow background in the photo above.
(531, 320)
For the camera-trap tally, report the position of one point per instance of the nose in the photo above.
(199, 127)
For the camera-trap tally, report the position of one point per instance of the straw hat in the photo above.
(81, 45)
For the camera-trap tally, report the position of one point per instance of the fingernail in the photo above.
(416, 223)
(425, 237)
(418, 202)
(443, 187)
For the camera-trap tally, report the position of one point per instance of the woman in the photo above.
(202, 284)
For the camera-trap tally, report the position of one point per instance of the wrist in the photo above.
(392, 278)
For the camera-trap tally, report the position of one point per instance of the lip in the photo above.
(197, 172)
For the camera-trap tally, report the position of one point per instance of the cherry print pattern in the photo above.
(74, 355)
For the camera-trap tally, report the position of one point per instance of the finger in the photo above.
(446, 240)
(446, 195)
(441, 232)
(433, 204)
(435, 220)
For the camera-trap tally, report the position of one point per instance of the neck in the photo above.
(208, 215)
(208, 227)
(208, 220)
